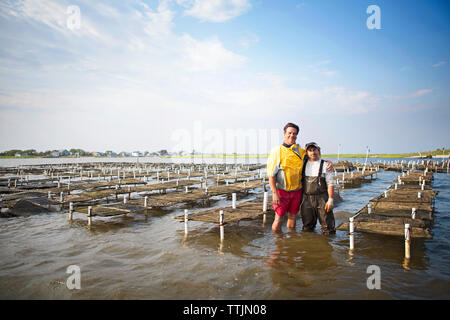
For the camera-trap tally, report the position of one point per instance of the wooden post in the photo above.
(146, 201)
(369, 208)
(413, 213)
(407, 241)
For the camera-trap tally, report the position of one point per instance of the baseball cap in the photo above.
(311, 144)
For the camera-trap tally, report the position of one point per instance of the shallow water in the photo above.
(151, 258)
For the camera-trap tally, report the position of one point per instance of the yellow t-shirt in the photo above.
(286, 165)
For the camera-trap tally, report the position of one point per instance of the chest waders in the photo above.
(315, 197)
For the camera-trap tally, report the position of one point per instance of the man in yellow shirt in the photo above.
(284, 168)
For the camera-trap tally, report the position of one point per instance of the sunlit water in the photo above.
(150, 258)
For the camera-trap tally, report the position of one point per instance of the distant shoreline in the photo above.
(242, 156)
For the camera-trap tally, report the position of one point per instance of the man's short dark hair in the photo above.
(291, 125)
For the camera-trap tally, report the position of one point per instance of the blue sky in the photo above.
(218, 75)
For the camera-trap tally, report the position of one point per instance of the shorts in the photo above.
(289, 202)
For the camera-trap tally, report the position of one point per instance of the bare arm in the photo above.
(330, 203)
(273, 187)
(329, 166)
(330, 192)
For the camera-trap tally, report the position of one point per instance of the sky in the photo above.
(224, 75)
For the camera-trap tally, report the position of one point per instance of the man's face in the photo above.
(290, 135)
(313, 153)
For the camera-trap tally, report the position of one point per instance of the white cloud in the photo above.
(215, 10)
(159, 23)
(208, 55)
(248, 39)
(416, 94)
(420, 93)
(440, 63)
(329, 73)
(318, 64)
(320, 67)
(300, 5)
(270, 100)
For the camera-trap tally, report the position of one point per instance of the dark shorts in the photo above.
(289, 202)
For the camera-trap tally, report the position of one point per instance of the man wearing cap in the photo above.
(318, 191)
(284, 168)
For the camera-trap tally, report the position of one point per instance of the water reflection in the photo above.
(374, 247)
(299, 259)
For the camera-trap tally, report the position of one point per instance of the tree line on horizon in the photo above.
(34, 153)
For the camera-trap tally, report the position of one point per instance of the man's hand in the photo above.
(330, 205)
(329, 167)
(275, 198)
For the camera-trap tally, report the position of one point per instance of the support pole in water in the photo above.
(413, 213)
(233, 200)
(89, 216)
(186, 218)
(407, 241)
(221, 220)
(70, 210)
(265, 201)
(351, 232)
(266, 196)
(146, 201)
